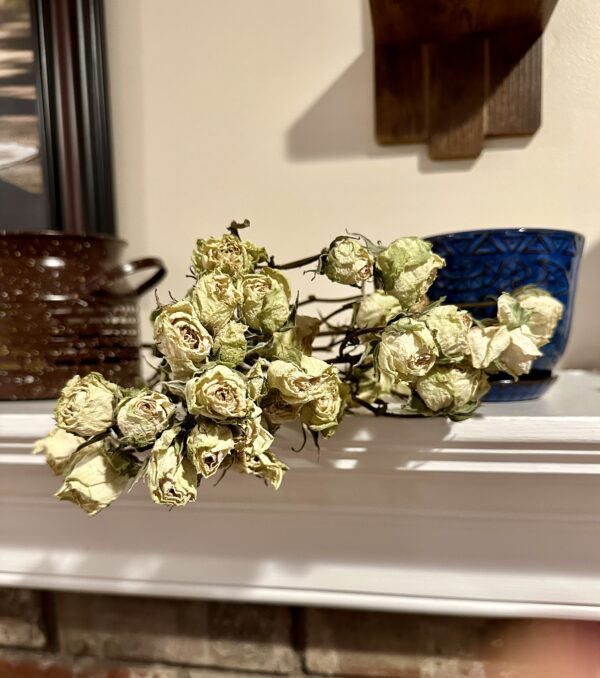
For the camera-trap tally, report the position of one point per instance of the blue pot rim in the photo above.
(507, 231)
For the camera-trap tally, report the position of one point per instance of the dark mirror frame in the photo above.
(73, 113)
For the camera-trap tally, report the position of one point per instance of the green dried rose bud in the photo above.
(86, 405)
(220, 393)
(181, 338)
(265, 300)
(452, 390)
(487, 344)
(408, 268)
(299, 384)
(450, 327)
(171, 477)
(230, 344)
(97, 479)
(518, 357)
(348, 262)
(407, 350)
(377, 309)
(510, 312)
(227, 254)
(215, 298)
(325, 412)
(289, 344)
(544, 312)
(142, 417)
(58, 446)
(207, 446)
(256, 378)
(254, 457)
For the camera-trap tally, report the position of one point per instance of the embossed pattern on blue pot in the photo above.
(482, 264)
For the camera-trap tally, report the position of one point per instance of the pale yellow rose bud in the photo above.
(408, 268)
(265, 300)
(97, 479)
(452, 390)
(171, 477)
(143, 416)
(487, 344)
(58, 446)
(227, 254)
(348, 262)
(215, 298)
(207, 446)
(181, 338)
(87, 405)
(377, 309)
(450, 327)
(220, 393)
(325, 412)
(276, 411)
(254, 457)
(230, 344)
(298, 339)
(256, 378)
(518, 357)
(510, 313)
(407, 350)
(298, 384)
(544, 312)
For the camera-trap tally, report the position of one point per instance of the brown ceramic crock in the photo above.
(66, 307)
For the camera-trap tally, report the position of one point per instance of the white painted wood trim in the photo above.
(499, 515)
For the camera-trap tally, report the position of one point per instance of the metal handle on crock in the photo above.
(129, 268)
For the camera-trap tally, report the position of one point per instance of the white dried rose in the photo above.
(325, 412)
(265, 300)
(544, 312)
(487, 344)
(219, 393)
(96, 480)
(171, 477)
(408, 268)
(254, 457)
(58, 446)
(227, 254)
(298, 385)
(230, 344)
(207, 446)
(215, 297)
(276, 411)
(299, 339)
(142, 417)
(181, 338)
(522, 350)
(407, 350)
(450, 327)
(87, 405)
(348, 262)
(452, 389)
(377, 309)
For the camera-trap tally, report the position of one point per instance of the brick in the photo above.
(251, 638)
(124, 627)
(21, 622)
(352, 643)
(52, 668)
(197, 633)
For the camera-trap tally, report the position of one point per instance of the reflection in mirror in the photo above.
(23, 194)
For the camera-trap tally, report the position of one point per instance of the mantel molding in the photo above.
(498, 515)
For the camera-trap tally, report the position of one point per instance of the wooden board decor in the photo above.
(451, 72)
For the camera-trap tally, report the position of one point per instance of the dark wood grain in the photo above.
(515, 83)
(400, 94)
(457, 95)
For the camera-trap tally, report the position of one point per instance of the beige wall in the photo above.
(263, 109)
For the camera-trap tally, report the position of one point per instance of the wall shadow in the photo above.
(583, 350)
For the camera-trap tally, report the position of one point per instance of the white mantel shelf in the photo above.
(498, 515)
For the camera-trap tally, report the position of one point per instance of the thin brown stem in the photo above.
(327, 300)
(295, 264)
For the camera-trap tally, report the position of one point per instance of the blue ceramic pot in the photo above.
(482, 264)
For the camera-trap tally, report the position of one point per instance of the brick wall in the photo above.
(66, 635)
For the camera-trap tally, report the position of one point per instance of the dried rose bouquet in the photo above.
(237, 361)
